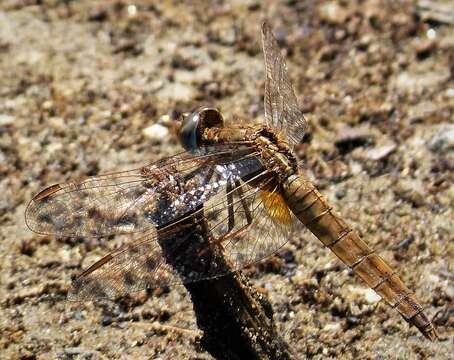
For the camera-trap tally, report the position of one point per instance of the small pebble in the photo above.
(6, 119)
(72, 351)
(332, 13)
(106, 320)
(415, 81)
(332, 327)
(156, 132)
(380, 152)
(340, 194)
(353, 320)
(353, 136)
(57, 123)
(78, 315)
(443, 139)
(371, 296)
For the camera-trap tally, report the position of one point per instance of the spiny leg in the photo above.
(230, 209)
(231, 212)
(246, 208)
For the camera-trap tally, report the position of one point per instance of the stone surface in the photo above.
(81, 80)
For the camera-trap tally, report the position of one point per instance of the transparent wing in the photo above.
(250, 224)
(137, 265)
(281, 106)
(244, 222)
(132, 201)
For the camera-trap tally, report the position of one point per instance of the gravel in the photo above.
(83, 82)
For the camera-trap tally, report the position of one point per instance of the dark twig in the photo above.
(236, 321)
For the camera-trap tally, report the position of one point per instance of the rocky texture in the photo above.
(81, 81)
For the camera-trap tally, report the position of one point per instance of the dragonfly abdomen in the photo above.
(314, 211)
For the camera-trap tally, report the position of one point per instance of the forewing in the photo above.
(132, 201)
(281, 106)
(245, 221)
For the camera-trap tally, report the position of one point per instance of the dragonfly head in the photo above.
(193, 124)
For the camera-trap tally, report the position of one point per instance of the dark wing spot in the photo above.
(88, 288)
(129, 278)
(77, 221)
(150, 184)
(77, 285)
(45, 218)
(126, 220)
(150, 264)
(134, 251)
(94, 214)
(97, 289)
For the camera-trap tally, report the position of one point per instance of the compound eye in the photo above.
(193, 125)
(188, 130)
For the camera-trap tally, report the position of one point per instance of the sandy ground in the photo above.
(81, 82)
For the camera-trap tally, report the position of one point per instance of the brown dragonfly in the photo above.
(243, 180)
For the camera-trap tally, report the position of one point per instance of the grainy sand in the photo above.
(80, 83)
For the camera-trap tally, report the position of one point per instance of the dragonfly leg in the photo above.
(246, 208)
(230, 209)
(230, 234)
(247, 211)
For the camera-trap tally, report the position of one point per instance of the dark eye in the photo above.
(193, 125)
(188, 130)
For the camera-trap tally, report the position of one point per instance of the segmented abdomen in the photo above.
(312, 209)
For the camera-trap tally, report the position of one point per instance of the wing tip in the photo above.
(265, 25)
(72, 296)
(42, 197)
(82, 291)
(266, 29)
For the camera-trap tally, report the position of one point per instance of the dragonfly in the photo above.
(243, 180)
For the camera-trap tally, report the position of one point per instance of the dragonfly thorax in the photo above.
(205, 126)
(276, 154)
